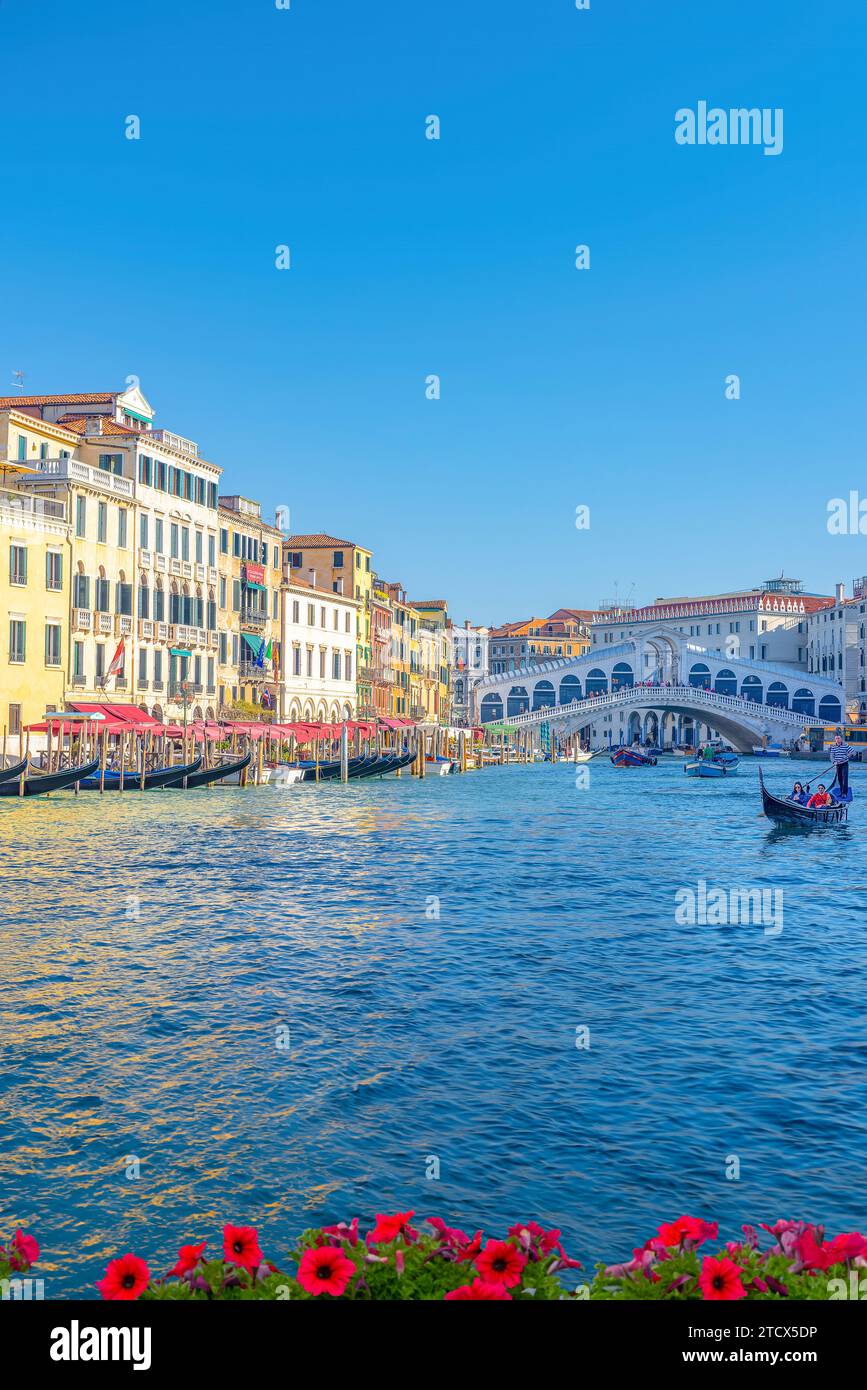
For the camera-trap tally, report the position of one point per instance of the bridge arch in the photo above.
(543, 695)
(597, 682)
(491, 709)
(725, 682)
(830, 710)
(752, 689)
(778, 695)
(518, 701)
(804, 702)
(570, 689)
(622, 675)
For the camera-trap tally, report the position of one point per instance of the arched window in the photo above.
(492, 709)
(518, 702)
(543, 695)
(804, 702)
(597, 682)
(622, 676)
(726, 683)
(752, 689)
(778, 694)
(570, 689)
(829, 710)
(699, 676)
(459, 692)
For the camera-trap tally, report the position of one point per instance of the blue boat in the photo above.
(710, 767)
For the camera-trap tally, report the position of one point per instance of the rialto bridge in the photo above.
(664, 689)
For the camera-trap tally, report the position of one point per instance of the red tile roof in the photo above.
(428, 603)
(106, 424)
(318, 541)
(87, 398)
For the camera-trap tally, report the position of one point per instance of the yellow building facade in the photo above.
(250, 567)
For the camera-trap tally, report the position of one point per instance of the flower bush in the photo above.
(395, 1260)
(17, 1257)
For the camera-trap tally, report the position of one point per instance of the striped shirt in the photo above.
(840, 753)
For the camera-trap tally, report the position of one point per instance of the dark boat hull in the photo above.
(49, 781)
(160, 777)
(208, 775)
(15, 770)
(790, 813)
(632, 760)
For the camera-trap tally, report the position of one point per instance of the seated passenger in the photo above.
(799, 795)
(820, 798)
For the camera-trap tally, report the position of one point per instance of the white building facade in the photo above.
(318, 645)
(468, 649)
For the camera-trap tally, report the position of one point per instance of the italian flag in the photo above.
(116, 661)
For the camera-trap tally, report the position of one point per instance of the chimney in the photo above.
(311, 576)
(841, 592)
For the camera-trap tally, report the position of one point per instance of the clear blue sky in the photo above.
(409, 257)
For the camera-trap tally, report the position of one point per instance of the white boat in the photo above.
(583, 755)
(770, 752)
(283, 776)
(438, 767)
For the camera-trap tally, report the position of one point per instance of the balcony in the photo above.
(177, 689)
(160, 564)
(73, 471)
(201, 573)
(145, 629)
(144, 559)
(79, 682)
(142, 683)
(120, 682)
(249, 670)
(102, 624)
(82, 620)
(254, 619)
(19, 506)
(158, 685)
(122, 625)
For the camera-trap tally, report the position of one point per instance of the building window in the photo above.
(309, 661)
(158, 668)
(143, 530)
(212, 550)
(338, 559)
(52, 644)
(173, 541)
(54, 570)
(121, 527)
(17, 564)
(15, 719)
(296, 559)
(102, 596)
(296, 661)
(17, 641)
(101, 522)
(100, 661)
(335, 666)
(159, 544)
(22, 447)
(78, 659)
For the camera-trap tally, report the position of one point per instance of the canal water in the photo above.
(285, 1007)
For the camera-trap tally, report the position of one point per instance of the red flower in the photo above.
(188, 1258)
(241, 1247)
(531, 1233)
(845, 1247)
(501, 1263)
(471, 1250)
(25, 1249)
(479, 1289)
(325, 1270)
(125, 1279)
(390, 1227)
(721, 1279)
(687, 1228)
(449, 1235)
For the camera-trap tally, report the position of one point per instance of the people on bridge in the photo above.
(798, 794)
(840, 755)
(820, 798)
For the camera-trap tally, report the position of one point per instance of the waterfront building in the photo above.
(143, 511)
(835, 643)
(468, 664)
(318, 642)
(250, 579)
(34, 599)
(565, 633)
(434, 664)
(405, 690)
(382, 672)
(344, 568)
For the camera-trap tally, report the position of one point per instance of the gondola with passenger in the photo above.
(788, 811)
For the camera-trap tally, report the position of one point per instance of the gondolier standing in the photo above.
(840, 755)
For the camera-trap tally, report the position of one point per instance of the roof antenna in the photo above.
(18, 381)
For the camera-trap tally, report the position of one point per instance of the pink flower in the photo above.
(188, 1258)
(449, 1235)
(479, 1289)
(125, 1279)
(241, 1247)
(26, 1250)
(325, 1270)
(688, 1231)
(388, 1228)
(343, 1232)
(721, 1279)
(501, 1263)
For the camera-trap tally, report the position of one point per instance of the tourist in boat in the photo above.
(799, 795)
(840, 755)
(819, 798)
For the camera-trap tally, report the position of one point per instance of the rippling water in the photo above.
(155, 1036)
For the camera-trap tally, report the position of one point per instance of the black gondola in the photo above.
(132, 781)
(206, 775)
(791, 813)
(42, 782)
(15, 770)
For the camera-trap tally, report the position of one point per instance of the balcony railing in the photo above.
(177, 689)
(254, 618)
(82, 620)
(79, 682)
(102, 624)
(73, 471)
(22, 504)
(122, 625)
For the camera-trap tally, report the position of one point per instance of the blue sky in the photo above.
(603, 388)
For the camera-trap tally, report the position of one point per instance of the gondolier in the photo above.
(840, 755)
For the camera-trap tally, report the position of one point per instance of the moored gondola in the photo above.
(14, 770)
(787, 812)
(39, 783)
(132, 781)
(206, 776)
